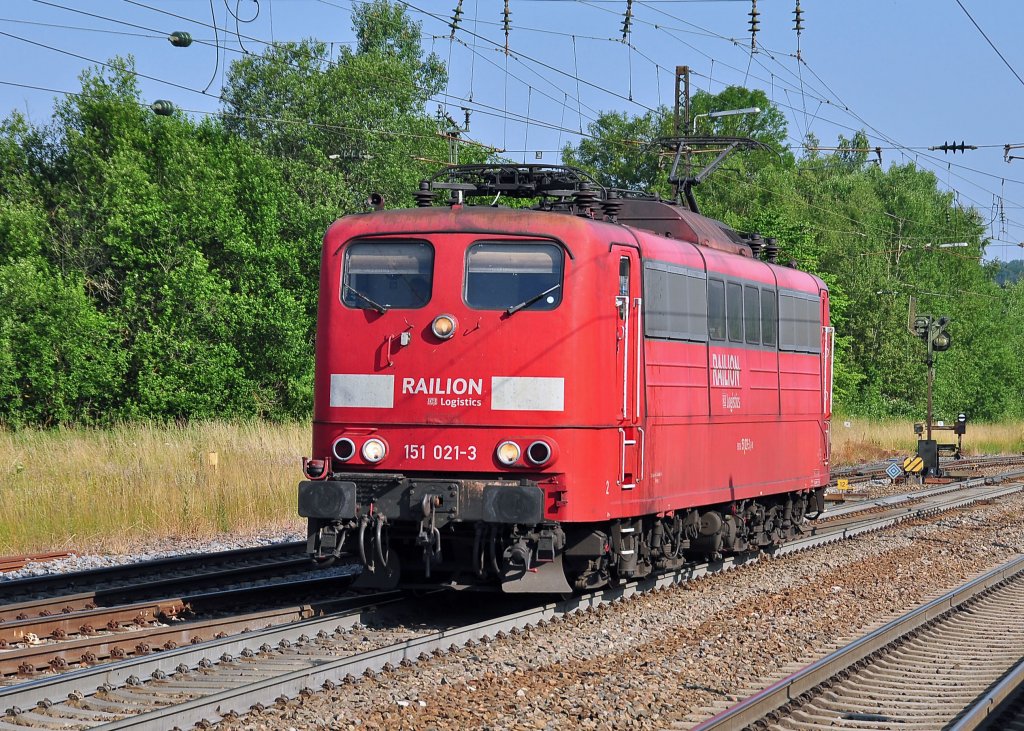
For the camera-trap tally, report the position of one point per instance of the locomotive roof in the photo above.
(576, 232)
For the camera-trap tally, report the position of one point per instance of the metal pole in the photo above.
(931, 377)
(683, 80)
(682, 75)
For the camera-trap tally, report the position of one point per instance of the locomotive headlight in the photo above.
(344, 449)
(374, 450)
(508, 453)
(444, 326)
(538, 453)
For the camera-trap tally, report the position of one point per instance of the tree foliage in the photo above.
(166, 267)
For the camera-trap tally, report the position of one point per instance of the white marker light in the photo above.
(508, 453)
(374, 450)
(444, 326)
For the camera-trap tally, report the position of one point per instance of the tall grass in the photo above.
(109, 488)
(869, 441)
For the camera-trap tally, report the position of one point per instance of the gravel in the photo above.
(666, 659)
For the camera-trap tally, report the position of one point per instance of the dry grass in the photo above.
(870, 441)
(113, 489)
(107, 489)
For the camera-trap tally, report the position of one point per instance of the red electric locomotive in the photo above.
(553, 398)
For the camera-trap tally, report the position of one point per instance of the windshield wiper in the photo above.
(374, 305)
(522, 305)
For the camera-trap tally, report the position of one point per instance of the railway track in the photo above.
(858, 475)
(60, 642)
(116, 583)
(227, 676)
(156, 606)
(939, 666)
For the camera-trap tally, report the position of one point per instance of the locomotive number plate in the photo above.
(440, 452)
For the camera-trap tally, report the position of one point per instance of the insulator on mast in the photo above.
(627, 21)
(506, 24)
(798, 26)
(456, 19)
(753, 24)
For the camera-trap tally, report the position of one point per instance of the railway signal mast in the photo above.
(932, 330)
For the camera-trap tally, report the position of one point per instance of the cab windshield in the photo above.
(382, 275)
(512, 276)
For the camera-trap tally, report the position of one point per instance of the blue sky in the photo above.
(912, 74)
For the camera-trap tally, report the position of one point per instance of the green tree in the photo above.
(173, 234)
(622, 151)
(344, 127)
(59, 357)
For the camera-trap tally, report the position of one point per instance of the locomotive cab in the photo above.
(444, 362)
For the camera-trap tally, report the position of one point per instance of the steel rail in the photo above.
(163, 639)
(789, 689)
(42, 691)
(968, 493)
(87, 621)
(874, 469)
(892, 500)
(989, 706)
(192, 563)
(126, 642)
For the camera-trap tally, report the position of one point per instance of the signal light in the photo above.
(940, 339)
(932, 331)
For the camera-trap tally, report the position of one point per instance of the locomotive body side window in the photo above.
(734, 308)
(675, 303)
(769, 317)
(752, 315)
(799, 326)
(502, 275)
(716, 309)
(380, 275)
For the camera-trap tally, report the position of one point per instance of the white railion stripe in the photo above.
(514, 393)
(362, 391)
